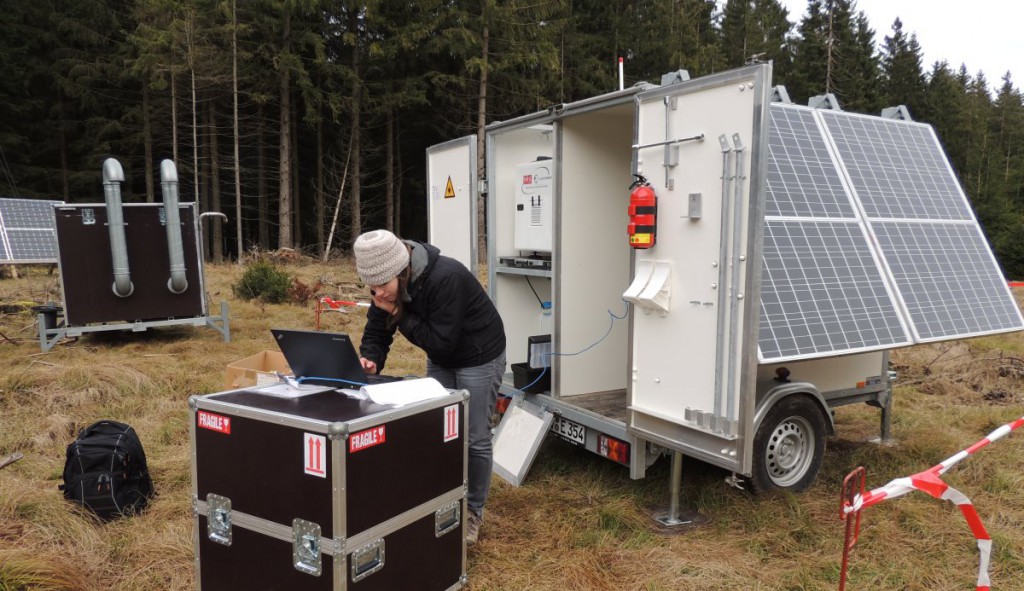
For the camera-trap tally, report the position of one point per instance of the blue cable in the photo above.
(611, 324)
(304, 378)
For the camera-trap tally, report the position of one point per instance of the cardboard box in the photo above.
(255, 370)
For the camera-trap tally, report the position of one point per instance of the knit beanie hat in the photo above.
(380, 257)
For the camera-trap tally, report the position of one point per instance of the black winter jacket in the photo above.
(447, 314)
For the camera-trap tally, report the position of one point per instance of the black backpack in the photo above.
(106, 472)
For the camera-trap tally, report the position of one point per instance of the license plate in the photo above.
(568, 430)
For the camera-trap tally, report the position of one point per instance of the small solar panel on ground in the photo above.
(26, 231)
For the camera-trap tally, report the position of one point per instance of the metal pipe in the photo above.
(723, 258)
(113, 176)
(737, 258)
(176, 252)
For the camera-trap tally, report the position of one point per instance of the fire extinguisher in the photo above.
(643, 214)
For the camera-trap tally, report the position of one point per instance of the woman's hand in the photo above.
(369, 367)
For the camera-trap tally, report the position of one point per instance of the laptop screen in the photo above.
(313, 354)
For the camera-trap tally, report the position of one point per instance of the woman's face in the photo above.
(387, 292)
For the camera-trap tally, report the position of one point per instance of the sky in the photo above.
(983, 34)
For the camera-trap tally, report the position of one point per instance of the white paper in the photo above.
(405, 392)
(289, 391)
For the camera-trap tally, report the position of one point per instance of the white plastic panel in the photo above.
(592, 249)
(829, 375)
(451, 202)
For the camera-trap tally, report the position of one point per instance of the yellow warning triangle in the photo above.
(449, 190)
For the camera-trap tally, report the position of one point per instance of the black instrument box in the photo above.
(325, 491)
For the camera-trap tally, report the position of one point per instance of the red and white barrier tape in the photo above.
(929, 482)
(338, 305)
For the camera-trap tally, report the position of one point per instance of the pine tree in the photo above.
(835, 54)
(903, 81)
(756, 28)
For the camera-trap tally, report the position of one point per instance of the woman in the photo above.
(440, 307)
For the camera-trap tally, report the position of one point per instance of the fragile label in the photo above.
(218, 423)
(451, 422)
(364, 439)
(315, 447)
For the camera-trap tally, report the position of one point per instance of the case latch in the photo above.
(306, 547)
(367, 560)
(218, 519)
(447, 518)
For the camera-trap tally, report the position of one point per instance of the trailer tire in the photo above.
(788, 446)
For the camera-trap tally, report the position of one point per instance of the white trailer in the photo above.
(794, 247)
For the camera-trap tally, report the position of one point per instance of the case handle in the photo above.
(367, 560)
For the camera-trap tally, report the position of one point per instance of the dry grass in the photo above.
(579, 523)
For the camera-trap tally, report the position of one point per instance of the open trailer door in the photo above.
(693, 354)
(451, 202)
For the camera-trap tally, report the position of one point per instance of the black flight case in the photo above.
(327, 492)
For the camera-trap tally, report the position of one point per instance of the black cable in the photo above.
(528, 282)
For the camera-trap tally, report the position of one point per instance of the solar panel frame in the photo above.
(877, 170)
(834, 298)
(798, 151)
(825, 292)
(943, 199)
(27, 234)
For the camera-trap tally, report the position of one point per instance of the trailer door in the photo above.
(693, 357)
(451, 199)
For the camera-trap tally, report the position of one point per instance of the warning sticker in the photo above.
(364, 439)
(451, 422)
(315, 448)
(449, 189)
(218, 423)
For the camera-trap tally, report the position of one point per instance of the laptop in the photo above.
(330, 355)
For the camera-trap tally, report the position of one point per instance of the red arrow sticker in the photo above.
(315, 448)
(451, 422)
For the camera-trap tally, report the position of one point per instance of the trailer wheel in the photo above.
(788, 446)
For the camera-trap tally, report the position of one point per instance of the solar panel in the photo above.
(897, 168)
(26, 231)
(946, 275)
(823, 292)
(942, 266)
(802, 178)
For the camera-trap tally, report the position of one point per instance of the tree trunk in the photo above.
(63, 141)
(217, 232)
(355, 217)
(481, 161)
(203, 190)
(147, 142)
(296, 194)
(195, 136)
(389, 172)
(174, 120)
(239, 244)
(398, 180)
(284, 205)
(262, 205)
(319, 199)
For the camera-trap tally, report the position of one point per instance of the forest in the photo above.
(280, 112)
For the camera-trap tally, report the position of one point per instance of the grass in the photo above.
(579, 522)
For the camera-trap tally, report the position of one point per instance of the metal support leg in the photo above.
(886, 426)
(672, 519)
